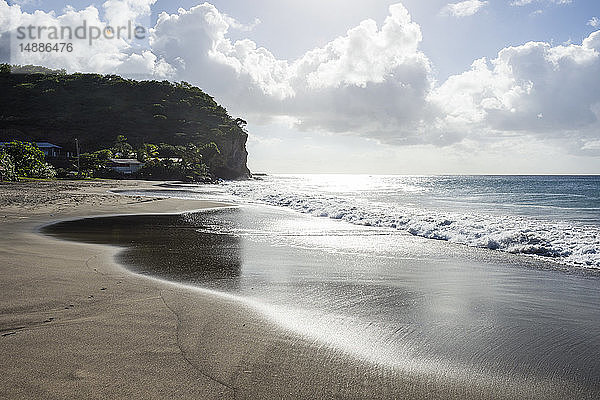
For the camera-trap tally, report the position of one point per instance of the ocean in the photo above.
(480, 282)
(556, 217)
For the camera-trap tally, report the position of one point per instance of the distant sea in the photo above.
(557, 217)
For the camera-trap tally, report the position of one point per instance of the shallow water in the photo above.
(556, 217)
(381, 295)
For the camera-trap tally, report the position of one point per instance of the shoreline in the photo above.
(76, 323)
(90, 328)
(69, 310)
(543, 262)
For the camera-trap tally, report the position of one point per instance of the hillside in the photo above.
(38, 104)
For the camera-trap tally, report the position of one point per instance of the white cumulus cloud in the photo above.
(464, 8)
(120, 12)
(117, 55)
(508, 94)
(372, 80)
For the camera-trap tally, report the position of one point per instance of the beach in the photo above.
(300, 200)
(76, 323)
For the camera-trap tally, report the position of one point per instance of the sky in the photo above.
(377, 87)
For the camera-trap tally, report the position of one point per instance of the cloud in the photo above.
(507, 95)
(375, 82)
(464, 8)
(372, 80)
(120, 12)
(594, 22)
(520, 3)
(118, 55)
(195, 43)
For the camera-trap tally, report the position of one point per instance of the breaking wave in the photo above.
(566, 242)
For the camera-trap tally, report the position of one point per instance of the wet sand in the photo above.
(73, 323)
(77, 324)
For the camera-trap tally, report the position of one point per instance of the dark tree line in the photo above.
(40, 104)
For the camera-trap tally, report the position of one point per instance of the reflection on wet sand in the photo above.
(458, 316)
(172, 247)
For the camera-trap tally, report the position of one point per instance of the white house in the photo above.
(124, 165)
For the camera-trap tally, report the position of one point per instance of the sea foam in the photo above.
(564, 241)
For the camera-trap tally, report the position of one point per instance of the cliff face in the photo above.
(95, 109)
(236, 156)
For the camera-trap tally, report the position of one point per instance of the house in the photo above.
(174, 160)
(50, 150)
(124, 165)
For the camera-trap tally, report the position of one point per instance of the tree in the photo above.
(168, 150)
(162, 169)
(241, 123)
(147, 152)
(94, 163)
(121, 148)
(29, 160)
(7, 166)
(194, 168)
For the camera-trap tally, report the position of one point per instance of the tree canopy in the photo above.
(40, 104)
(26, 160)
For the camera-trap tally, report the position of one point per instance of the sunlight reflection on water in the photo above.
(384, 296)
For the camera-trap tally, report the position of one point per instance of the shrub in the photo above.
(29, 160)
(8, 167)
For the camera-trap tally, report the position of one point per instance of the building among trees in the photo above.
(125, 166)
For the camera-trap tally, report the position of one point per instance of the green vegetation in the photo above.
(7, 167)
(163, 162)
(122, 149)
(151, 120)
(24, 160)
